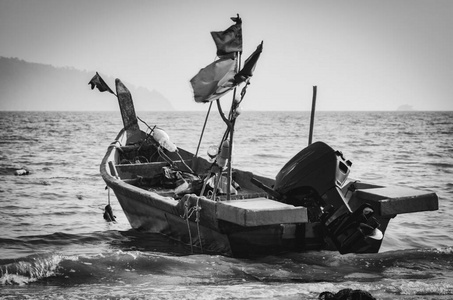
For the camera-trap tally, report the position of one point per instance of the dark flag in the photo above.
(249, 65)
(214, 81)
(230, 40)
(98, 82)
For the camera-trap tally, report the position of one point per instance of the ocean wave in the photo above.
(61, 269)
(440, 165)
(16, 139)
(29, 270)
(267, 155)
(166, 290)
(128, 266)
(60, 238)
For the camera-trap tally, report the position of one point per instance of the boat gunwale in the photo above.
(116, 183)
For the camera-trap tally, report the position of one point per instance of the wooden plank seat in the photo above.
(260, 212)
(146, 170)
(392, 200)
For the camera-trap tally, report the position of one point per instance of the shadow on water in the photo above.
(134, 240)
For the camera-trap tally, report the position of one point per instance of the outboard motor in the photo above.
(313, 178)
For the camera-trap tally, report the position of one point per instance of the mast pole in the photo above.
(232, 118)
(204, 127)
(312, 118)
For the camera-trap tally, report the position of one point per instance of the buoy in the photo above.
(223, 157)
(163, 139)
(212, 153)
(21, 172)
(237, 112)
(376, 235)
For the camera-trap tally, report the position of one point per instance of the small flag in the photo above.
(100, 84)
(214, 81)
(230, 40)
(249, 65)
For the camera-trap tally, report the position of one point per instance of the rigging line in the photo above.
(146, 138)
(165, 157)
(218, 174)
(231, 124)
(230, 113)
(197, 219)
(138, 118)
(148, 135)
(186, 215)
(204, 127)
(227, 122)
(184, 163)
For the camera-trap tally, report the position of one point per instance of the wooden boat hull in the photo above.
(243, 227)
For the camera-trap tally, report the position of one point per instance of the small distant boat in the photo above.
(208, 204)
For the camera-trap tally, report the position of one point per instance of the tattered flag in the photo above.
(214, 81)
(230, 40)
(100, 84)
(249, 65)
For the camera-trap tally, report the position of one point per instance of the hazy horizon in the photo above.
(362, 55)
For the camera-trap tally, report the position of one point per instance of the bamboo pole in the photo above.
(229, 166)
(233, 122)
(312, 118)
(204, 127)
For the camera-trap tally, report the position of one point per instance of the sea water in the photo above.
(55, 244)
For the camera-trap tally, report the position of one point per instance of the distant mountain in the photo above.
(32, 86)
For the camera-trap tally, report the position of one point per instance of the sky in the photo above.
(361, 54)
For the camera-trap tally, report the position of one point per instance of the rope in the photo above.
(188, 212)
(187, 216)
(184, 163)
(151, 130)
(145, 123)
(197, 220)
(165, 157)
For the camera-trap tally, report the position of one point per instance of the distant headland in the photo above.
(29, 86)
(405, 107)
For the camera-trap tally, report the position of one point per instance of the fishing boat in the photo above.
(214, 207)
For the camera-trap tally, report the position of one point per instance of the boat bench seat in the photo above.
(260, 212)
(392, 200)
